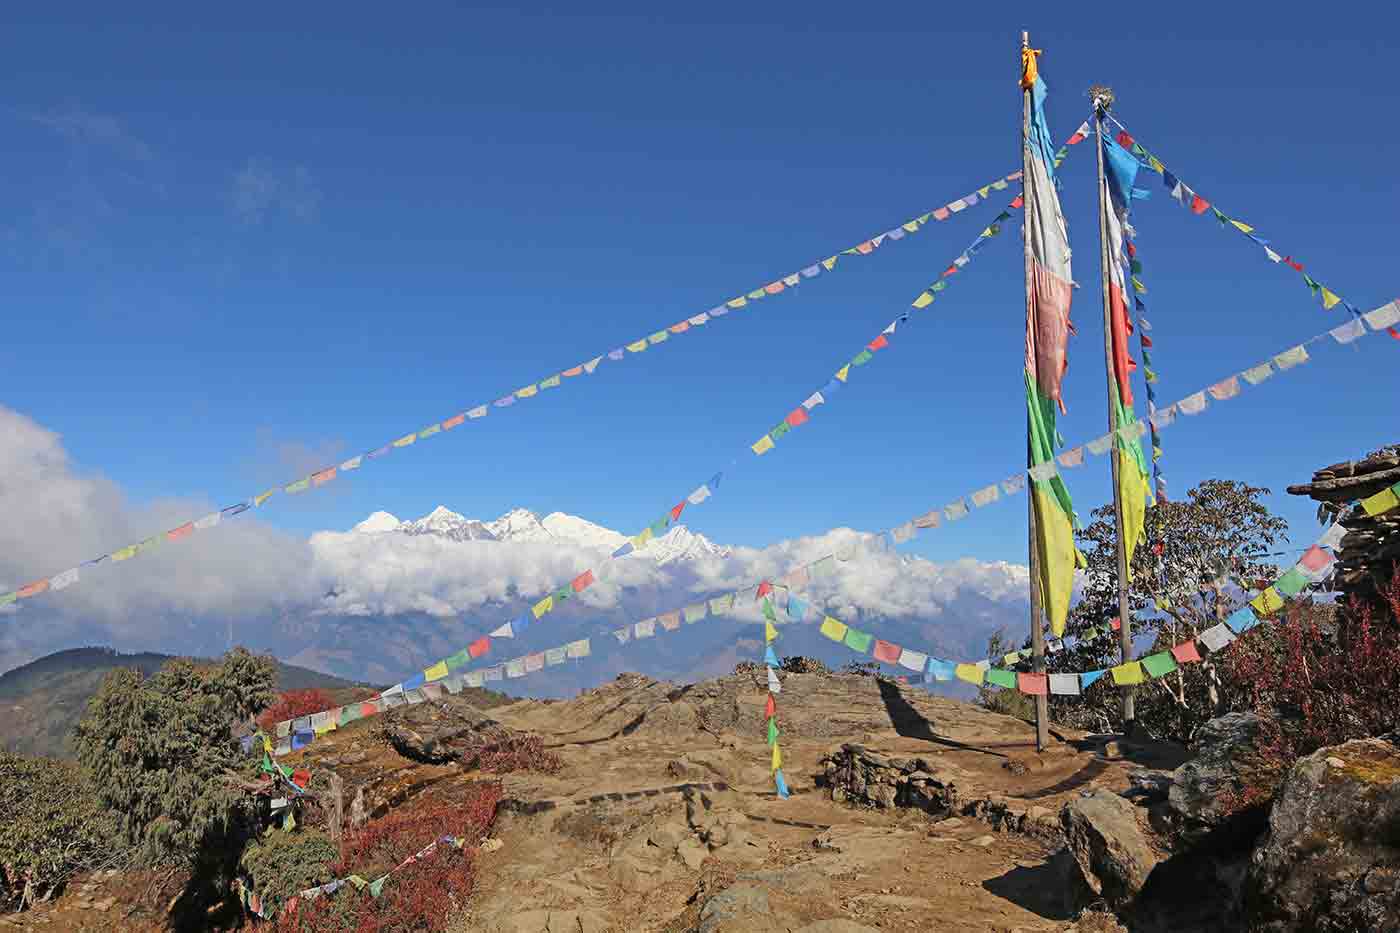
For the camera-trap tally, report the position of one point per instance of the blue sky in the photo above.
(239, 249)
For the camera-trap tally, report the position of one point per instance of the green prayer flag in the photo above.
(1001, 678)
(858, 641)
(782, 428)
(772, 731)
(460, 659)
(1159, 665)
(550, 383)
(377, 885)
(768, 612)
(862, 358)
(1135, 265)
(1291, 583)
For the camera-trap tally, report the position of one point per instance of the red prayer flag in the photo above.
(1199, 205)
(1186, 653)
(1393, 332)
(676, 510)
(583, 581)
(32, 589)
(1147, 341)
(770, 709)
(887, 652)
(1076, 139)
(1116, 624)
(574, 371)
(452, 422)
(1034, 684)
(479, 647)
(1132, 250)
(941, 214)
(680, 328)
(323, 477)
(797, 416)
(879, 343)
(774, 288)
(1020, 202)
(866, 248)
(368, 709)
(764, 589)
(184, 531)
(1297, 266)
(1315, 558)
(949, 271)
(301, 777)
(1124, 139)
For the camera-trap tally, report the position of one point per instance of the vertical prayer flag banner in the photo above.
(1050, 291)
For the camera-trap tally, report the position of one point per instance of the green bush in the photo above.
(278, 865)
(51, 826)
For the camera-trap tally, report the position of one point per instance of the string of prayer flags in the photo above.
(770, 661)
(1145, 343)
(1188, 198)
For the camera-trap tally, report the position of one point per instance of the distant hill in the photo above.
(41, 702)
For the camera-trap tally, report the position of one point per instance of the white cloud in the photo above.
(289, 593)
(262, 187)
(94, 129)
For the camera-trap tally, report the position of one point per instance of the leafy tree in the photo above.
(1189, 573)
(159, 752)
(1006, 702)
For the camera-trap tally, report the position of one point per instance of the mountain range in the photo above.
(521, 526)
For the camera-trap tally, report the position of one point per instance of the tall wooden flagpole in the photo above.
(1103, 100)
(1042, 706)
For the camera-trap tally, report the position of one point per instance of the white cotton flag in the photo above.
(1217, 637)
(352, 464)
(1257, 374)
(1072, 458)
(1054, 645)
(1064, 684)
(1273, 256)
(592, 364)
(1348, 331)
(813, 400)
(1042, 471)
(477, 412)
(1099, 446)
(914, 660)
(505, 631)
(452, 683)
(903, 532)
(1133, 430)
(986, 496)
(1144, 323)
(699, 495)
(208, 521)
(699, 319)
(1333, 536)
(473, 678)
(63, 580)
(578, 649)
(774, 685)
(955, 510)
(1192, 404)
(877, 240)
(645, 629)
(1163, 417)
(1014, 484)
(1290, 358)
(1225, 389)
(889, 328)
(1384, 316)
(928, 519)
(790, 280)
(957, 205)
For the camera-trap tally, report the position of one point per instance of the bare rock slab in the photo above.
(1109, 848)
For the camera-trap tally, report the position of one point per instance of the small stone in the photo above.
(984, 840)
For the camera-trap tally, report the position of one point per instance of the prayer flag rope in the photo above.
(1150, 375)
(327, 474)
(775, 687)
(1192, 201)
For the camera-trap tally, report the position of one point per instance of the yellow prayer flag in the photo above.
(406, 440)
(833, 629)
(527, 391)
(640, 541)
(638, 346)
(1157, 166)
(124, 553)
(1242, 226)
(1058, 555)
(843, 372)
(924, 300)
(260, 498)
(1267, 603)
(969, 672)
(912, 226)
(762, 445)
(1329, 298)
(437, 672)
(1138, 286)
(1381, 502)
(830, 263)
(769, 632)
(982, 191)
(777, 758)
(1130, 673)
(546, 604)
(737, 302)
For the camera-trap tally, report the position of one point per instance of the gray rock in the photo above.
(836, 926)
(1109, 849)
(1203, 790)
(1331, 859)
(1149, 785)
(737, 908)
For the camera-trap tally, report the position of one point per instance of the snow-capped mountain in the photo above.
(523, 526)
(445, 523)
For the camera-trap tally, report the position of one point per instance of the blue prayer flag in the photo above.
(1242, 620)
(1088, 677)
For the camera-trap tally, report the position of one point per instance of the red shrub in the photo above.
(420, 896)
(293, 703)
(1313, 687)
(518, 753)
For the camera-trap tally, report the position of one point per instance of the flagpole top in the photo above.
(1025, 39)
(1102, 96)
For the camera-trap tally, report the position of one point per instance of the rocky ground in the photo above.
(908, 812)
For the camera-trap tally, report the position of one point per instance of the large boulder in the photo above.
(1110, 851)
(1331, 859)
(1206, 793)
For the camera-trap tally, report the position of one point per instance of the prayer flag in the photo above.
(1267, 602)
(578, 649)
(1290, 358)
(858, 641)
(969, 672)
(1034, 684)
(1226, 389)
(1064, 684)
(1001, 678)
(437, 672)
(913, 660)
(833, 629)
(1125, 674)
(1384, 316)
(1291, 583)
(762, 445)
(1159, 665)
(1257, 374)
(1381, 502)
(1186, 653)
(886, 652)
